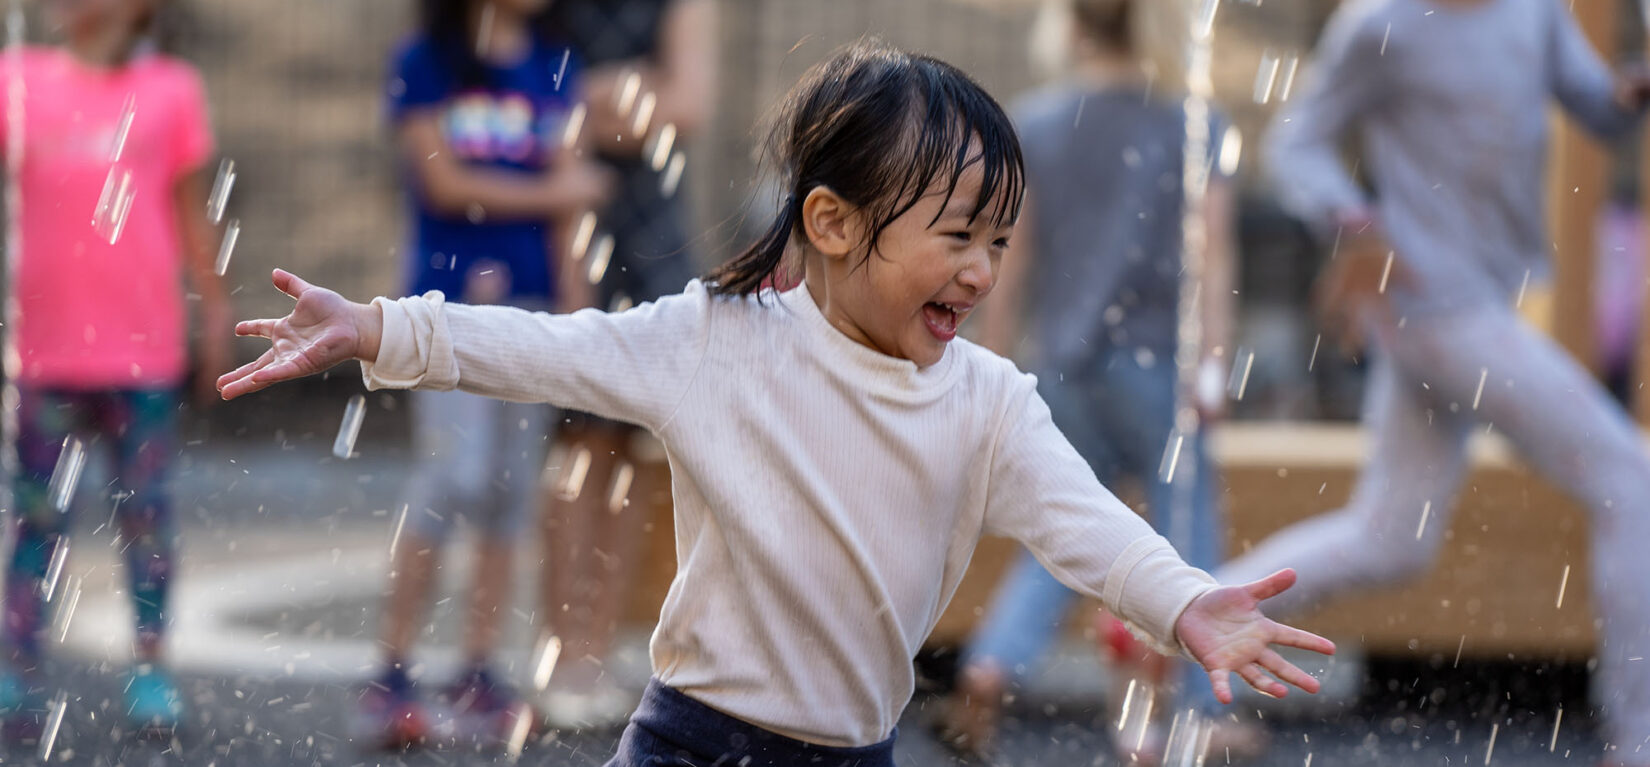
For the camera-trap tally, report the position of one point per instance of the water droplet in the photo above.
(662, 145)
(600, 254)
(226, 248)
(60, 490)
(1266, 76)
(221, 186)
(673, 175)
(344, 446)
(123, 129)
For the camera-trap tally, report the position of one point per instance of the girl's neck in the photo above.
(501, 34)
(1107, 68)
(105, 48)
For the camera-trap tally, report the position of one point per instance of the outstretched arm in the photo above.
(1043, 494)
(1608, 104)
(634, 366)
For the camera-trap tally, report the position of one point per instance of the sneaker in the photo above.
(389, 716)
(23, 707)
(153, 703)
(486, 710)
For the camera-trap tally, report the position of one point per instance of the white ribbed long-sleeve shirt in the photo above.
(827, 497)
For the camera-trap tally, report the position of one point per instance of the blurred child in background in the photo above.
(113, 139)
(480, 102)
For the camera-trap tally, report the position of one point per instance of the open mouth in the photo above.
(942, 319)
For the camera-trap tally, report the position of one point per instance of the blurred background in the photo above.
(284, 547)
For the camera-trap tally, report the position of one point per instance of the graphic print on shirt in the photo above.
(488, 127)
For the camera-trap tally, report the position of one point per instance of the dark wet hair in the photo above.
(446, 24)
(1107, 22)
(879, 127)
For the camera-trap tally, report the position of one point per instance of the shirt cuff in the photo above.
(1150, 586)
(415, 349)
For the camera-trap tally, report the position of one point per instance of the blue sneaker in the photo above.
(153, 702)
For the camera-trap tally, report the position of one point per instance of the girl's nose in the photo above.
(978, 275)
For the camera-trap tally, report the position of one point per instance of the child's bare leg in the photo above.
(572, 586)
(490, 598)
(412, 578)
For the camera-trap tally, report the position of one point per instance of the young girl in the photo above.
(1451, 99)
(836, 454)
(480, 101)
(101, 317)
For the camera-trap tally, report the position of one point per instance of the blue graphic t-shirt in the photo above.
(513, 121)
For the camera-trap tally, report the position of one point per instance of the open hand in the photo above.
(1225, 631)
(323, 330)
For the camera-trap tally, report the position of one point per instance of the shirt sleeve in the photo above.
(634, 366)
(1580, 80)
(419, 82)
(192, 144)
(1043, 494)
(1303, 148)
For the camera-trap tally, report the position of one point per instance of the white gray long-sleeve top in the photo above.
(1451, 101)
(827, 497)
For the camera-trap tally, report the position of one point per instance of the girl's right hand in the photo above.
(323, 330)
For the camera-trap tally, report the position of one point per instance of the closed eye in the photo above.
(959, 236)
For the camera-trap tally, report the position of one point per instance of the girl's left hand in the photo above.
(1225, 631)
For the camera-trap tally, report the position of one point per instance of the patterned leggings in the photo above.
(139, 427)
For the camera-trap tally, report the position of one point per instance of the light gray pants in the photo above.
(1423, 402)
(478, 459)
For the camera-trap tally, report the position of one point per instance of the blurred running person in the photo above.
(1451, 99)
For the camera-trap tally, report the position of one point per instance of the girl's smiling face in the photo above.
(923, 276)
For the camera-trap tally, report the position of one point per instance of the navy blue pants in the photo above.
(670, 729)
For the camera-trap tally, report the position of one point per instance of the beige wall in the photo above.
(296, 90)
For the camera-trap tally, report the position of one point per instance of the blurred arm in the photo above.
(687, 77)
(1303, 150)
(450, 187)
(1219, 268)
(1584, 85)
(683, 82)
(200, 241)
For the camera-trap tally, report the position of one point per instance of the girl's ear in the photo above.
(832, 225)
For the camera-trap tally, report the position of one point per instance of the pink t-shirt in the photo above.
(96, 314)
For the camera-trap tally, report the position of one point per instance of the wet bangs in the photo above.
(953, 126)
